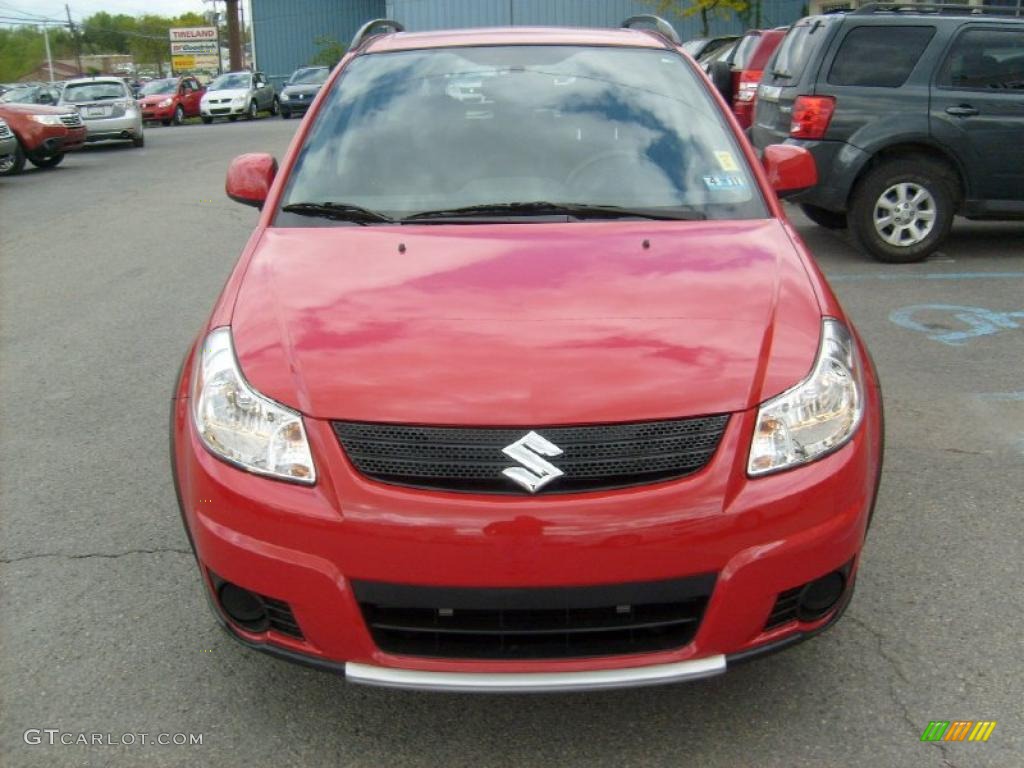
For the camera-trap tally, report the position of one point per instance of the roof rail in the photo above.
(661, 26)
(953, 9)
(367, 31)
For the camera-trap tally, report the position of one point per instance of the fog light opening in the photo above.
(243, 607)
(820, 596)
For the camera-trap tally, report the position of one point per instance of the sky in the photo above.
(83, 8)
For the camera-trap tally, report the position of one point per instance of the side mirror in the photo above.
(721, 77)
(790, 169)
(250, 177)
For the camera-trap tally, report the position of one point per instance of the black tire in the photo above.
(274, 106)
(285, 114)
(875, 192)
(165, 123)
(824, 217)
(206, 120)
(48, 161)
(13, 164)
(253, 111)
(139, 141)
(179, 115)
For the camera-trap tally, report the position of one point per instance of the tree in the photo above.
(329, 51)
(706, 8)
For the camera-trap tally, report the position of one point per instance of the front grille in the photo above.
(528, 623)
(470, 460)
(219, 111)
(784, 610)
(73, 120)
(281, 617)
(5, 132)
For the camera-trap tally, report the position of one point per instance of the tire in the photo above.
(252, 112)
(274, 106)
(179, 115)
(917, 196)
(12, 165)
(50, 161)
(824, 217)
(165, 123)
(139, 141)
(285, 114)
(206, 120)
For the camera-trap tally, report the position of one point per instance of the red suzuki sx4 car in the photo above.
(523, 381)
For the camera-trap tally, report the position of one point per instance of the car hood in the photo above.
(229, 93)
(34, 109)
(526, 324)
(155, 99)
(304, 88)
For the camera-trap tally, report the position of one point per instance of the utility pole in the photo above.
(49, 58)
(234, 39)
(78, 44)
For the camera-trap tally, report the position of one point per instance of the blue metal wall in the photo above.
(284, 31)
(442, 14)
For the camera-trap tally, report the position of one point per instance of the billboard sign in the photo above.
(194, 48)
(192, 34)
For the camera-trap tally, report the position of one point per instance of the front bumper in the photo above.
(113, 128)
(154, 113)
(305, 546)
(222, 110)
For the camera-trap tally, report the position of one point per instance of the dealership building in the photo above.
(285, 32)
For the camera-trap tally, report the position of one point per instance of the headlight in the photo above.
(47, 119)
(818, 415)
(240, 425)
(284, 96)
(166, 103)
(238, 100)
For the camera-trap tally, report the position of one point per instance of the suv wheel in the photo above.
(274, 106)
(11, 165)
(903, 209)
(179, 115)
(253, 111)
(46, 161)
(139, 141)
(824, 217)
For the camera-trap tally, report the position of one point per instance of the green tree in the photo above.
(705, 8)
(329, 51)
(22, 49)
(103, 33)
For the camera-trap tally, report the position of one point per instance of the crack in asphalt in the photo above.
(101, 555)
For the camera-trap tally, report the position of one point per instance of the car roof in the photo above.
(449, 38)
(87, 80)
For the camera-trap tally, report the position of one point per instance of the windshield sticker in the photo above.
(724, 182)
(726, 161)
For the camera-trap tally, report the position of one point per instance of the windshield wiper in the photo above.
(544, 208)
(339, 212)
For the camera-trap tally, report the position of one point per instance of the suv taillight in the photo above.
(749, 79)
(811, 116)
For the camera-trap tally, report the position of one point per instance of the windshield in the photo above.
(231, 81)
(311, 76)
(100, 91)
(796, 49)
(158, 87)
(693, 47)
(20, 96)
(745, 50)
(418, 131)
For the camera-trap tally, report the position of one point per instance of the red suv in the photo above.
(737, 71)
(544, 394)
(171, 99)
(44, 134)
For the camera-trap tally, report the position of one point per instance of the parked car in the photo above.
(8, 147)
(913, 117)
(31, 94)
(238, 93)
(43, 135)
(535, 391)
(108, 108)
(736, 74)
(703, 46)
(300, 90)
(171, 99)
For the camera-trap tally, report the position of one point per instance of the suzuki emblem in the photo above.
(528, 451)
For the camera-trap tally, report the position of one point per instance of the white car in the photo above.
(234, 94)
(108, 108)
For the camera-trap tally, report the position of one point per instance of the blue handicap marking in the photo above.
(978, 321)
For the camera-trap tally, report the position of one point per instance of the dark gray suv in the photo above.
(912, 115)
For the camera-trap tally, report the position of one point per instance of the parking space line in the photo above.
(887, 276)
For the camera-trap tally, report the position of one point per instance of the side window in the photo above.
(985, 59)
(879, 57)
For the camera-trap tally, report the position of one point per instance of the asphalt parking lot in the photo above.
(109, 265)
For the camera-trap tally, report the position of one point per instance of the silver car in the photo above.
(108, 108)
(8, 148)
(234, 94)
